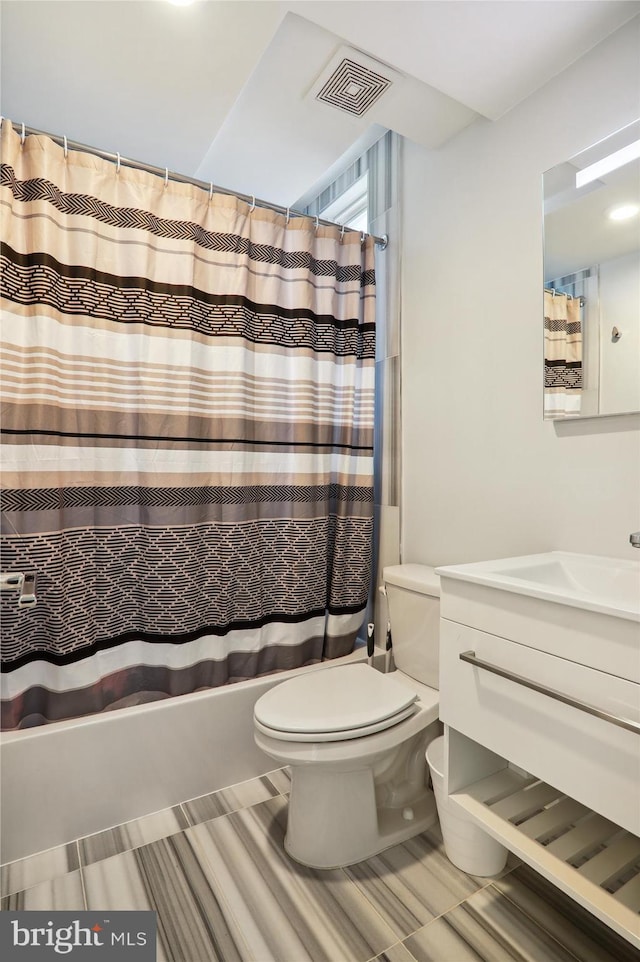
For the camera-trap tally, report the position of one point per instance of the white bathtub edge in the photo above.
(73, 778)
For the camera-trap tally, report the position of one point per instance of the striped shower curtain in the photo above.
(563, 372)
(187, 418)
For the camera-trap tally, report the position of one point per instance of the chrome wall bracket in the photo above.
(22, 582)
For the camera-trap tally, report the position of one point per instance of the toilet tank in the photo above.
(413, 599)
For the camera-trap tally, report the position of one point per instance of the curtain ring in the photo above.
(253, 204)
(117, 163)
(363, 237)
(166, 177)
(288, 214)
(23, 136)
(210, 191)
(342, 233)
(66, 148)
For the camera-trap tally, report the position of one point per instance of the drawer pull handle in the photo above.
(471, 659)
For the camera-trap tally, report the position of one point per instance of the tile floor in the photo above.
(215, 870)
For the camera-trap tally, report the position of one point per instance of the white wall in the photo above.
(484, 475)
(620, 307)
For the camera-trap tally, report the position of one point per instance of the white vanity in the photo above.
(540, 697)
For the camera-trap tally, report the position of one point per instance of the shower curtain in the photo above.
(187, 418)
(563, 379)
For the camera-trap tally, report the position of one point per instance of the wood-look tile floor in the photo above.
(215, 871)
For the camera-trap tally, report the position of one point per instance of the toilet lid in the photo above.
(337, 703)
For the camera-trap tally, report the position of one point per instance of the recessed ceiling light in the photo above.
(624, 212)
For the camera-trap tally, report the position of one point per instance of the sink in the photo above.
(607, 585)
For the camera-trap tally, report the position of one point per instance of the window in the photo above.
(351, 208)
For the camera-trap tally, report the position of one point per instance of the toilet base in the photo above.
(333, 820)
(355, 797)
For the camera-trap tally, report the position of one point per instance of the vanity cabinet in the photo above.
(543, 740)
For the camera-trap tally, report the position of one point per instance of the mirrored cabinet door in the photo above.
(592, 280)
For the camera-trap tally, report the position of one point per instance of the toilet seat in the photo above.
(335, 704)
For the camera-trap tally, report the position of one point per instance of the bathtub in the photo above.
(62, 781)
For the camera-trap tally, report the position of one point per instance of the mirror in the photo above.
(592, 280)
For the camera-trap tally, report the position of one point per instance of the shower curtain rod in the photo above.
(580, 297)
(380, 242)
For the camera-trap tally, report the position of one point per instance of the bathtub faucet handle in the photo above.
(24, 583)
(27, 597)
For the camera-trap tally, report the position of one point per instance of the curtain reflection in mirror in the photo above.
(563, 375)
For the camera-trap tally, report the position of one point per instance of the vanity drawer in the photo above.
(591, 759)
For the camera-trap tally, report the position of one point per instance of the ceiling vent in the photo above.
(353, 82)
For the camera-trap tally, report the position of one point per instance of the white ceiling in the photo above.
(219, 90)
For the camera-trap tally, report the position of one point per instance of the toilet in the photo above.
(355, 738)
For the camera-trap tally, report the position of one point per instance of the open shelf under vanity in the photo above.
(587, 856)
